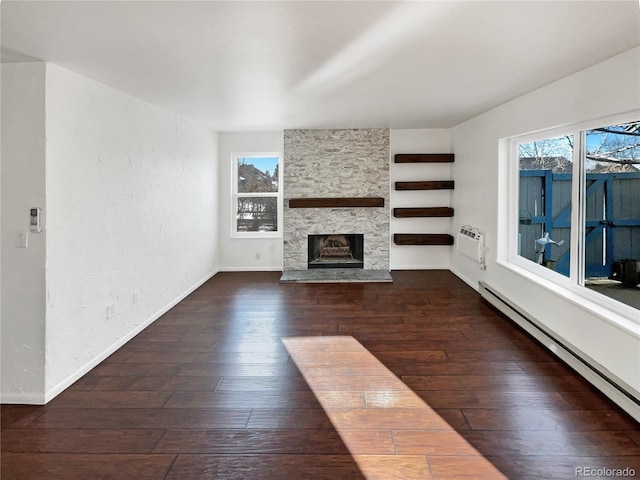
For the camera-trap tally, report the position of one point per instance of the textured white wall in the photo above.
(131, 218)
(607, 88)
(23, 180)
(410, 257)
(240, 253)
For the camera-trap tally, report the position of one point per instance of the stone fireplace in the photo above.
(344, 167)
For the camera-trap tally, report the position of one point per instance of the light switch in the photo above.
(22, 239)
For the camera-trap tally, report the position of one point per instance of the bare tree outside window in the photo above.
(615, 148)
(257, 193)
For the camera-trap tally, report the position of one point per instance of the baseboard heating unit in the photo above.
(592, 371)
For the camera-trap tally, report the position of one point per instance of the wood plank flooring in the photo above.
(211, 391)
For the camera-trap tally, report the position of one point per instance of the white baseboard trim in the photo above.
(419, 267)
(74, 377)
(11, 398)
(465, 279)
(250, 269)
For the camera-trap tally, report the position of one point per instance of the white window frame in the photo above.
(571, 287)
(235, 195)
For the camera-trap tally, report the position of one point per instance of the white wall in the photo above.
(131, 218)
(608, 88)
(23, 182)
(240, 253)
(409, 257)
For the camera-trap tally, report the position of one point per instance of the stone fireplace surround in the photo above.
(350, 163)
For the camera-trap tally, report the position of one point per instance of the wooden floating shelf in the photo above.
(424, 158)
(427, 185)
(336, 202)
(423, 212)
(422, 239)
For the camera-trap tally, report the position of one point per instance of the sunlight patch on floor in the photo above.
(389, 430)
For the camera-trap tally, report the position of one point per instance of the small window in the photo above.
(256, 194)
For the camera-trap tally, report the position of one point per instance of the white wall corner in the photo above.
(57, 389)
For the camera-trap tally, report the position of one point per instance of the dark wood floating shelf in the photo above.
(422, 239)
(424, 158)
(427, 185)
(336, 202)
(423, 212)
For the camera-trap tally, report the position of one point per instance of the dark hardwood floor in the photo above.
(211, 391)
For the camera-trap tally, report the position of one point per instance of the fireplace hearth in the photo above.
(335, 251)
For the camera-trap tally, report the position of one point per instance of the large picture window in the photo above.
(578, 207)
(256, 194)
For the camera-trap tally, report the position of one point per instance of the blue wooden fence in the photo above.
(612, 218)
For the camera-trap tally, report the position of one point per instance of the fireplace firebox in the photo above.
(336, 251)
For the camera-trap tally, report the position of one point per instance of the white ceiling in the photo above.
(245, 66)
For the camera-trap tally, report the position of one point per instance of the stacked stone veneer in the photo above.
(336, 163)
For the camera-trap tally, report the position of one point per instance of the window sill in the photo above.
(617, 314)
(256, 235)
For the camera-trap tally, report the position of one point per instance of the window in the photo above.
(256, 194)
(594, 170)
(544, 216)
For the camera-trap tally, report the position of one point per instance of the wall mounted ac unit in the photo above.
(470, 242)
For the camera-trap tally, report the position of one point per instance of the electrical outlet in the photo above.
(257, 255)
(135, 298)
(22, 239)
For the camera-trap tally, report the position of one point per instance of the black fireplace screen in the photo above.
(336, 251)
